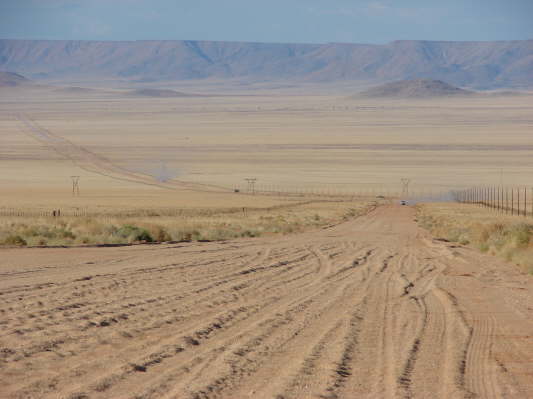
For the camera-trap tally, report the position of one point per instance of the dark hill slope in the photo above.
(10, 79)
(163, 93)
(418, 88)
(475, 64)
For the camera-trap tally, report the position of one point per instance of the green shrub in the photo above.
(134, 233)
(15, 240)
(249, 233)
(483, 247)
(520, 235)
(48, 232)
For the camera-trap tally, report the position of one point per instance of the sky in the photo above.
(298, 21)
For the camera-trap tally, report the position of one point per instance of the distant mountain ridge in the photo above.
(417, 88)
(482, 65)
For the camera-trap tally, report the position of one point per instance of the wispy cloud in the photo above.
(372, 8)
(378, 6)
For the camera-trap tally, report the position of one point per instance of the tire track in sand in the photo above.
(370, 308)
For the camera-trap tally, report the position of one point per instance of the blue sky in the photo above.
(307, 21)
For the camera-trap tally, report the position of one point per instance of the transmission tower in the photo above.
(75, 186)
(251, 184)
(405, 187)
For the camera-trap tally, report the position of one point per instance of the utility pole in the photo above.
(75, 186)
(405, 187)
(251, 184)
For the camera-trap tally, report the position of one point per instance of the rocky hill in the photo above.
(10, 79)
(163, 93)
(483, 65)
(417, 88)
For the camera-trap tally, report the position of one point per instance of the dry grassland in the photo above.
(160, 225)
(510, 237)
(313, 144)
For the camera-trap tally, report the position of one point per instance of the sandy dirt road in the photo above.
(372, 308)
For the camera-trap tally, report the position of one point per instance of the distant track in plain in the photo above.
(95, 163)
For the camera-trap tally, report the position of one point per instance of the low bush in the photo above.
(508, 238)
(134, 233)
(15, 240)
(212, 224)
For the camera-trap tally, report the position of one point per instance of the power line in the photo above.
(405, 187)
(75, 186)
(251, 184)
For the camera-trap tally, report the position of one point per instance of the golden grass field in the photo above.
(485, 229)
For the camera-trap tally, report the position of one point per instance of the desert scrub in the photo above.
(510, 237)
(211, 226)
(134, 234)
(15, 240)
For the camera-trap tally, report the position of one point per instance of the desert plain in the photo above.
(369, 304)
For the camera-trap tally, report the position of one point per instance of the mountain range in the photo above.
(478, 65)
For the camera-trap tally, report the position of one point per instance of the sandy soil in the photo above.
(372, 308)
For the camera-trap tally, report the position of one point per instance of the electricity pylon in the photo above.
(75, 186)
(405, 187)
(251, 184)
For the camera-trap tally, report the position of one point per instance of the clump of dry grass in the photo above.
(510, 237)
(47, 231)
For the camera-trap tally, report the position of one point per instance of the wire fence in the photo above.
(346, 190)
(503, 199)
(157, 212)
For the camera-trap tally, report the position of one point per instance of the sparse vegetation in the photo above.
(506, 236)
(15, 240)
(47, 231)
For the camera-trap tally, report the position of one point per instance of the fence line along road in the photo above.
(503, 199)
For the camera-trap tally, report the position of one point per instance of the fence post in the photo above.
(506, 200)
(525, 201)
(518, 198)
(502, 200)
(500, 196)
(502, 205)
